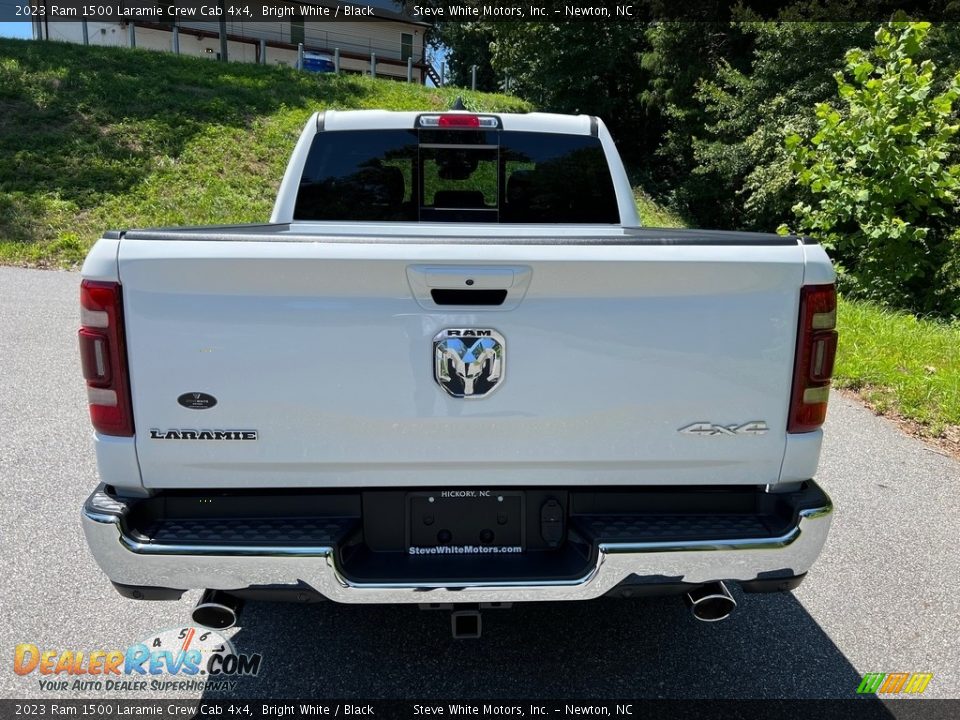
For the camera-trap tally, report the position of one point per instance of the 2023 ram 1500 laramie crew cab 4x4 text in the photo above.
(453, 368)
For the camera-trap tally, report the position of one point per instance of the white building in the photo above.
(390, 37)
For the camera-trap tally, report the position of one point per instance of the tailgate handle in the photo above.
(482, 288)
(468, 297)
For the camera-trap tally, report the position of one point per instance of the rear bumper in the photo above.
(130, 558)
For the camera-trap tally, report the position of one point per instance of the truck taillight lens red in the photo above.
(103, 357)
(813, 364)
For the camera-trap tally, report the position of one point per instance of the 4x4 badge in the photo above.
(754, 427)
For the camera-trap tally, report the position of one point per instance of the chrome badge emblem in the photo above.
(708, 429)
(468, 363)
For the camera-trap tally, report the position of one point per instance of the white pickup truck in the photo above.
(454, 370)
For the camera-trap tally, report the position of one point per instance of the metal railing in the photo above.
(337, 44)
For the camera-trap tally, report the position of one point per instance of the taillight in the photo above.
(103, 357)
(813, 365)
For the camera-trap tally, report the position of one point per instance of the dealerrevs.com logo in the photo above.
(894, 683)
(188, 658)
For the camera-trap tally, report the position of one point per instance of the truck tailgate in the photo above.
(323, 349)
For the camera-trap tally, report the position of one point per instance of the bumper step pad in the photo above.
(664, 528)
(268, 531)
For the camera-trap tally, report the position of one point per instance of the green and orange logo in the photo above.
(893, 683)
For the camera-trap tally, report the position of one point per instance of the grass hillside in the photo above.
(99, 138)
(902, 365)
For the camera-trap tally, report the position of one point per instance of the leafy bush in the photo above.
(882, 175)
(732, 94)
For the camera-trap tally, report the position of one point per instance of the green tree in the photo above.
(882, 175)
(468, 44)
(678, 57)
(582, 67)
(754, 99)
(571, 67)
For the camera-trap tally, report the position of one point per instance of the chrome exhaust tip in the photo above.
(217, 610)
(711, 602)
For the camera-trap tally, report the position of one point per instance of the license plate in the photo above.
(465, 522)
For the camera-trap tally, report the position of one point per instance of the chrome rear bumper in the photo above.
(127, 561)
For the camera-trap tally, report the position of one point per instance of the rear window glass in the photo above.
(456, 176)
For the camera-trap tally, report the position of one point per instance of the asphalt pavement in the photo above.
(884, 596)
